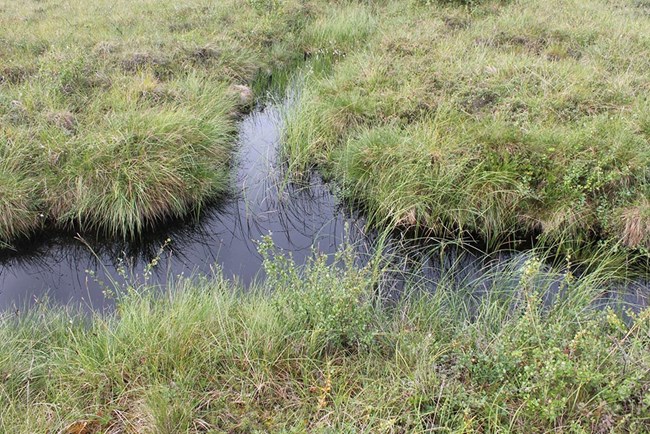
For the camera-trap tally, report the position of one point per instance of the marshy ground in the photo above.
(319, 350)
(511, 116)
(117, 115)
(492, 118)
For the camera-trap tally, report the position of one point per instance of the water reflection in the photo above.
(301, 218)
(68, 269)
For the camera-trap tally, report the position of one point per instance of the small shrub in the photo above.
(331, 303)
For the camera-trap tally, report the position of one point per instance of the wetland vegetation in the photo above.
(493, 118)
(117, 115)
(511, 117)
(320, 349)
(458, 118)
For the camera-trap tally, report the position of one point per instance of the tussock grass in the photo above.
(498, 118)
(138, 167)
(116, 115)
(320, 350)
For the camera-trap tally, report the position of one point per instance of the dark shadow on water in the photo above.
(65, 268)
(301, 218)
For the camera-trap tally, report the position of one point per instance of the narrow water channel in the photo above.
(65, 269)
(302, 219)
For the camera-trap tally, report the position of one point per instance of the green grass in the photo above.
(472, 117)
(117, 115)
(321, 350)
(489, 118)
(500, 118)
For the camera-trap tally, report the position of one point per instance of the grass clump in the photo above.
(115, 116)
(139, 166)
(526, 117)
(321, 350)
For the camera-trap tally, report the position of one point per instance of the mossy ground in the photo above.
(321, 350)
(497, 118)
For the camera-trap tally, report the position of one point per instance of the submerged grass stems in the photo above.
(319, 349)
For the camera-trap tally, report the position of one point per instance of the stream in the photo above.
(303, 219)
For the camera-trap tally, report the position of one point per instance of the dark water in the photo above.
(301, 219)
(69, 270)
